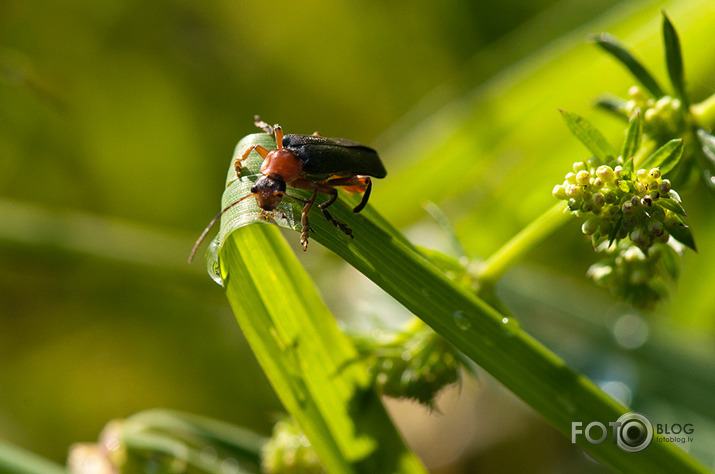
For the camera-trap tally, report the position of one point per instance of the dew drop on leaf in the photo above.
(212, 266)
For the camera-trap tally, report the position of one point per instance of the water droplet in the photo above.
(461, 320)
(212, 266)
(511, 325)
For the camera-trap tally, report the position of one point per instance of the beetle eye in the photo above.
(254, 189)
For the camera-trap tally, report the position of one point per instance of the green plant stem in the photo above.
(521, 244)
(704, 112)
(493, 341)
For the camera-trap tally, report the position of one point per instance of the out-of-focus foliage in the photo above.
(117, 121)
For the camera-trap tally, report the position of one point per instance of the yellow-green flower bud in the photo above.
(578, 166)
(559, 192)
(590, 226)
(583, 177)
(606, 173)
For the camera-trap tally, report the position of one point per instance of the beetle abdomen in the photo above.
(322, 155)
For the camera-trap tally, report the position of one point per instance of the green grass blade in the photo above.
(494, 342)
(613, 46)
(313, 367)
(279, 312)
(674, 59)
(590, 137)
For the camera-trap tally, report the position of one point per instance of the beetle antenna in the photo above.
(211, 224)
(262, 125)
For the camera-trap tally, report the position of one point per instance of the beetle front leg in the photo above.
(305, 230)
(303, 183)
(238, 162)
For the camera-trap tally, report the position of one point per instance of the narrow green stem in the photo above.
(704, 112)
(521, 244)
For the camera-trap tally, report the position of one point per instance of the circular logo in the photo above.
(634, 432)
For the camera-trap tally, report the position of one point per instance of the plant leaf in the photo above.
(614, 230)
(681, 232)
(590, 137)
(613, 46)
(671, 261)
(672, 205)
(666, 157)
(634, 138)
(674, 59)
(614, 105)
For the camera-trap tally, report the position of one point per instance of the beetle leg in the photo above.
(324, 209)
(237, 163)
(305, 231)
(358, 181)
(278, 132)
(303, 183)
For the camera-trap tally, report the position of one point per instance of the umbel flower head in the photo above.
(637, 278)
(632, 214)
(620, 202)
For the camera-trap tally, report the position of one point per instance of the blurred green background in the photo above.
(117, 124)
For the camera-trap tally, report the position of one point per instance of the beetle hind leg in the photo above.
(324, 209)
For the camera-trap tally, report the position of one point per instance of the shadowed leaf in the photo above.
(613, 46)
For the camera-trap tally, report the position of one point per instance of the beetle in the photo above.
(310, 162)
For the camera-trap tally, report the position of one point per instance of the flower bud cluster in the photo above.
(289, 451)
(663, 118)
(635, 277)
(415, 364)
(617, 203)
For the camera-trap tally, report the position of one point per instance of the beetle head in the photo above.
(269, 192)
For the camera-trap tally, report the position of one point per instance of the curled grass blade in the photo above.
(313, 367)
(252, 255)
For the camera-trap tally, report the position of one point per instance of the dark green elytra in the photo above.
(328, 156)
